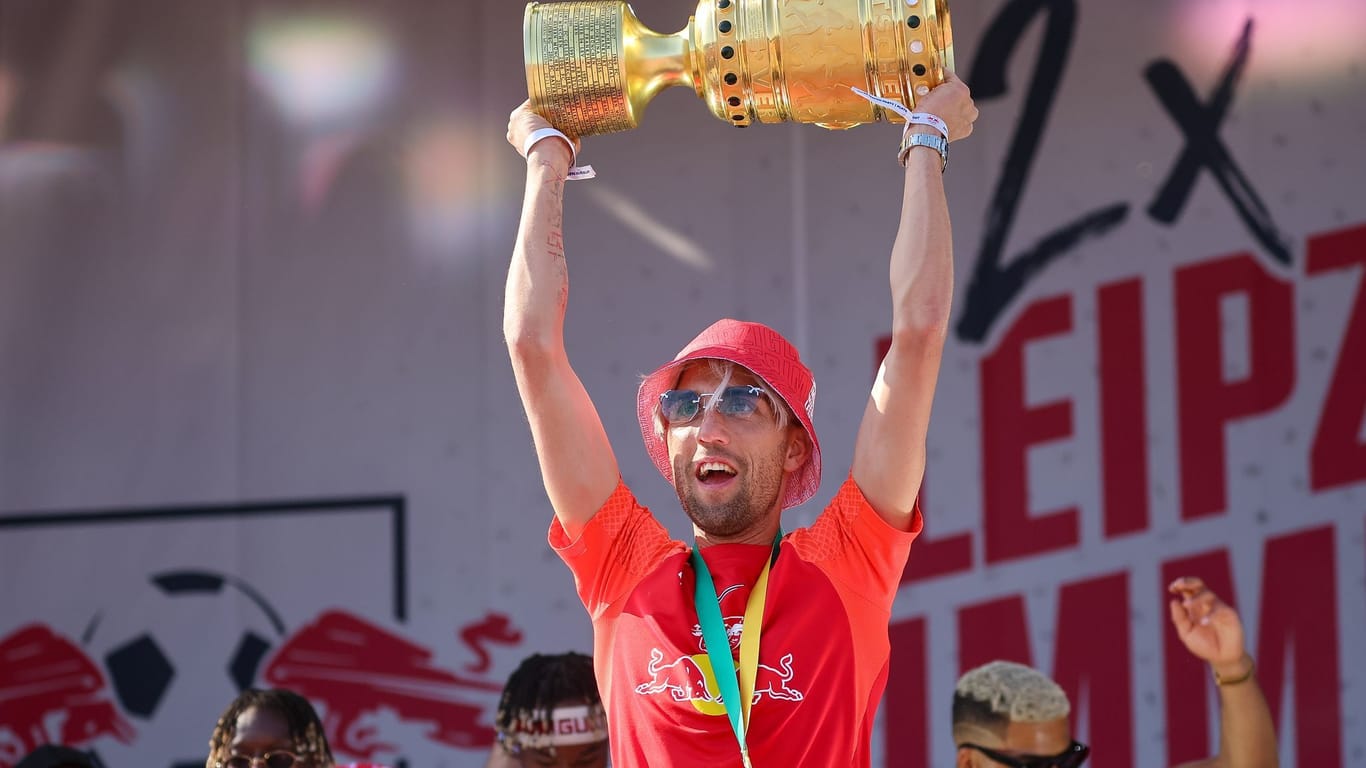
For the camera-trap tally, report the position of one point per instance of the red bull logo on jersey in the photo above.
(691, 678)
(735, 626)
(687, 678)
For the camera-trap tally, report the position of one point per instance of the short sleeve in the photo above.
(855, 547)
(617, 548)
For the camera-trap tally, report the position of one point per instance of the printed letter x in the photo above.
(1199, 123)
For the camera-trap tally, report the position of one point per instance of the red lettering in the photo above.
(906, 733)
(1188, 678)
(1338, 456)
(1206, 401)
(1009, 428)
(1299, 617)
(1091, 656)
(1123, 407)
(993, 630)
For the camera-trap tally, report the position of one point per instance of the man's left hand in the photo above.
(951, 102)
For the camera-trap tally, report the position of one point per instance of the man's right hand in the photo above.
(522, 123)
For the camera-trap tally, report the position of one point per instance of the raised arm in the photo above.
(889, 455)
(577, 463)
(1212, 632)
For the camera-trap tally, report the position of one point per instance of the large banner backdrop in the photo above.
(258, 427)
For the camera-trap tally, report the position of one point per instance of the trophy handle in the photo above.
(592, 66)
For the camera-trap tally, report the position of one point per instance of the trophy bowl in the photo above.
(592, 66)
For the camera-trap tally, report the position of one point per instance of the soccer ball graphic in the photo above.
(176, 654)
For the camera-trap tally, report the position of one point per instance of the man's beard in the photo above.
(757, 494)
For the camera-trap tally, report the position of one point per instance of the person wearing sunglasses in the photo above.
(550, 716)
(273, 728)
(753, 647)
(1010, 714)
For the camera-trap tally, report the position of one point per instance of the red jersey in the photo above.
(823, 650)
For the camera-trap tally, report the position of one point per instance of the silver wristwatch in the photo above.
(933, 141)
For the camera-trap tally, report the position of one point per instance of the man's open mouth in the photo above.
(714, 472)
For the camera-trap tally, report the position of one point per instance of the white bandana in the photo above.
(568, 726)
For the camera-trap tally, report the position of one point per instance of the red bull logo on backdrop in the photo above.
(349, 667)
(51, 692)
(137, 665)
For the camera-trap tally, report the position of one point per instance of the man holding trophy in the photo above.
(753, 647)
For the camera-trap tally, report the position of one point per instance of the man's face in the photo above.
(728, 471)
(1049, 737)
(577, 756)
(261, 731)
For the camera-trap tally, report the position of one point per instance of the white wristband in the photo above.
(545, 133)
(925, 118)
(576, 172)
(911, 118)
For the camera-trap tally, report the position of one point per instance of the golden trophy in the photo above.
(591, 66)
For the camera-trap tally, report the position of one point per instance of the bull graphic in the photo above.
(354, 667)
(773, 682)
(495, 628)
(43, 675)
(686, 680)
(683, 678)
(735, 627)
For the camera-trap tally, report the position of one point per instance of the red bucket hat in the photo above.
(767, 355)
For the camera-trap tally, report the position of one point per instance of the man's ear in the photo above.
(963, 758)
(798, 449)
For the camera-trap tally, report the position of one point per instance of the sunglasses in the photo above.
(681, 406)
(275, 759)
(1072, 757)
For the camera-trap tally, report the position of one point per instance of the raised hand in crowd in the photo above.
(1212, 631)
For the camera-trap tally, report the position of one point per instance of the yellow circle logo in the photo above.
(707, 707)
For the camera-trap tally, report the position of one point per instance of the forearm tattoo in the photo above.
(554, 242)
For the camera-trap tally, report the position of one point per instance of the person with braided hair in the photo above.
(551, 715)
(275, 728)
